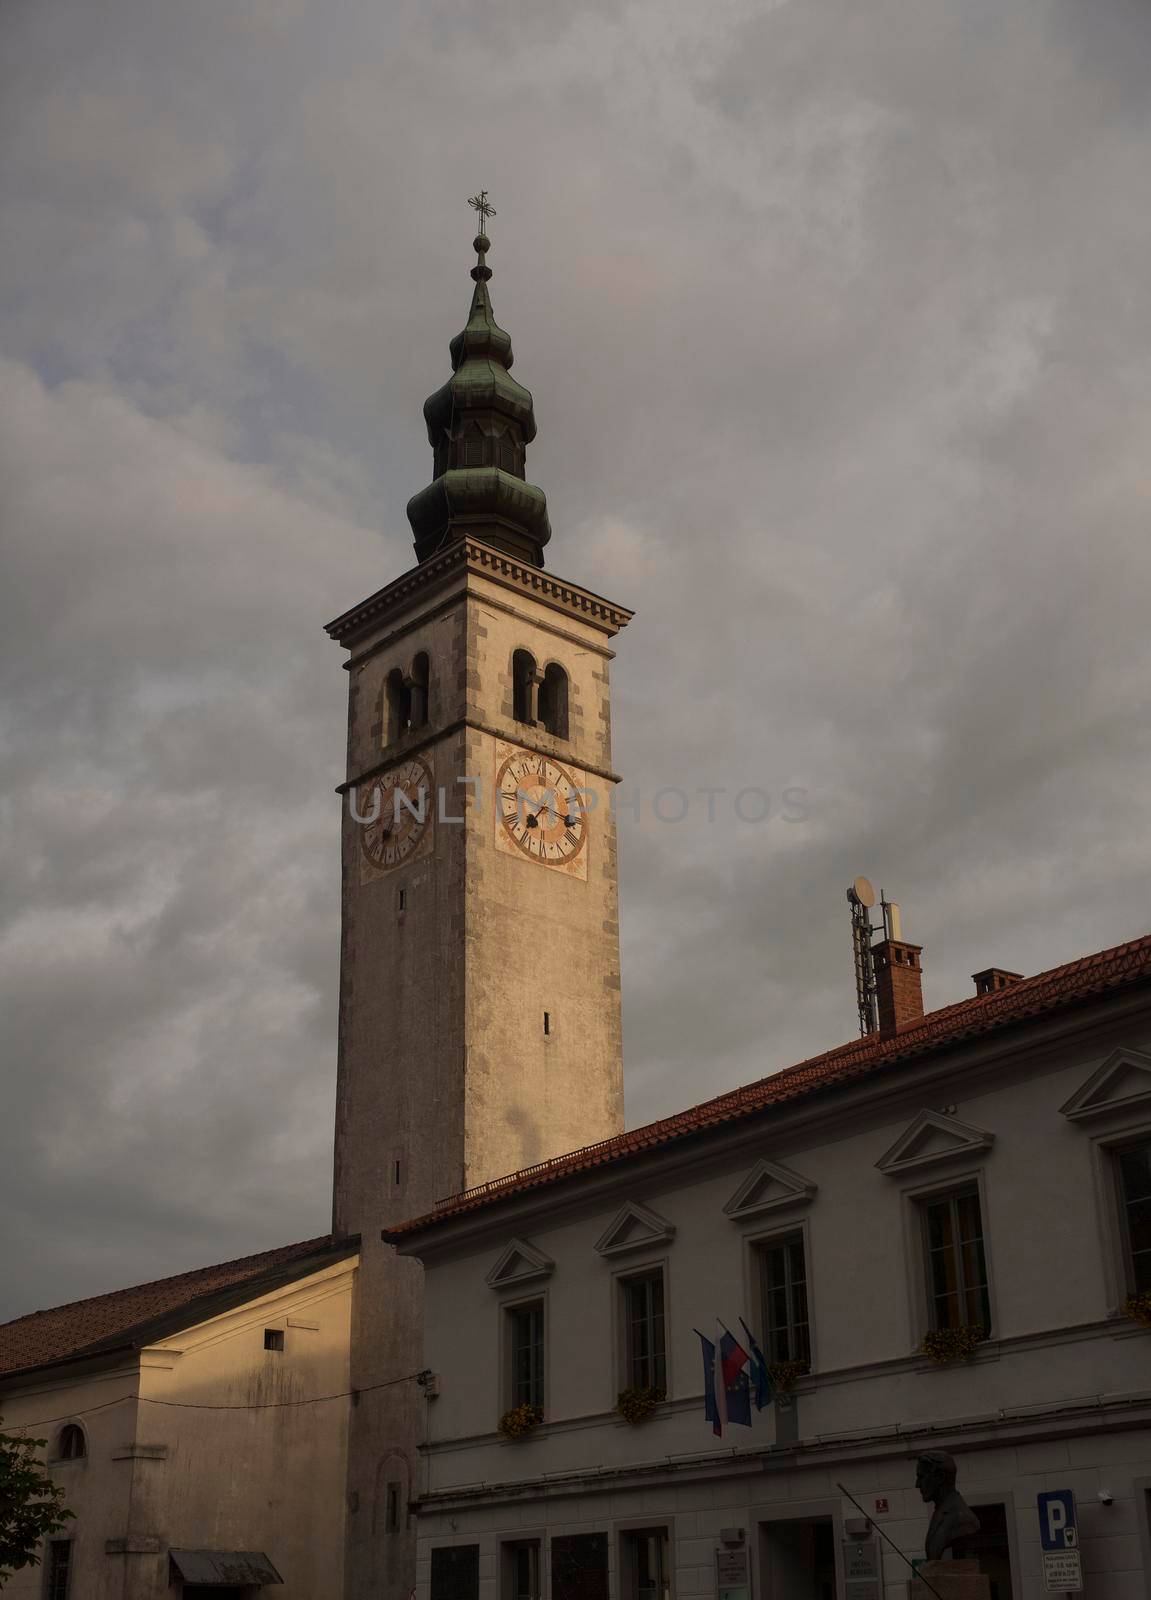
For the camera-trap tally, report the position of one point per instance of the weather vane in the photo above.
(479, 202)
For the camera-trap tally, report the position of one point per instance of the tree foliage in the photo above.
(31, 1505)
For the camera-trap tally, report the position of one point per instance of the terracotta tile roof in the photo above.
(108, 1321)
(1047, 992)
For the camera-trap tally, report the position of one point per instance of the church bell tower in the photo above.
(480, 994)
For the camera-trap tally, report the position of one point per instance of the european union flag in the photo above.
(710, 1403)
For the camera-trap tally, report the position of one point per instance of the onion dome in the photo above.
(479, 426)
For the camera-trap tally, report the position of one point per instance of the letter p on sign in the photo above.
(1057, 1529)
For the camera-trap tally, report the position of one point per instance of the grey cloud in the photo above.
(837, 323)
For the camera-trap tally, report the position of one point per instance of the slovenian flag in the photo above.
(733, 1360)
(759, 1373)
(710, 1403)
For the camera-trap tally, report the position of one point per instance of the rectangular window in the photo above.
(645, 1334)
(526, 1354)
(1135, 1194)
(273, 1338)
(645, 1564)
(456, 1573)
(579, 1566)
(59, 1569)
(522, 1570)
(956, 1262)
(783, 1298)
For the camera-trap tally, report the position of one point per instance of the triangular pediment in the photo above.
(633, 1227)
(519, 1262)
(768, 1187)
(1123, 1081)
(930, 1138)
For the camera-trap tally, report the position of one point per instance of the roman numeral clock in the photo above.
(541, 811)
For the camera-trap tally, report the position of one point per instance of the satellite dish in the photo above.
(862, 892)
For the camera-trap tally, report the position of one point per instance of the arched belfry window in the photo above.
(418, 691)
(398, 701)
(71, 1445)
(474, 446)
(524, 687)
(553, 700)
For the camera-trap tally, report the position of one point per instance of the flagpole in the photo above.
(904, 1558)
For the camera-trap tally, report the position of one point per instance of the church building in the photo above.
(518, 1366)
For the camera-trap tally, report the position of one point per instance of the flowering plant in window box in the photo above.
(1138, 1308)
(637, 1404)
(520, 1420)
(784, 1375)
(941, 1346)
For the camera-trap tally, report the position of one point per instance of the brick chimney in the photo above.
(898, 983)
(992, 979)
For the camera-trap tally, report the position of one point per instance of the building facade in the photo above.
(198, 1427)
(974, 1184)
(477, 823)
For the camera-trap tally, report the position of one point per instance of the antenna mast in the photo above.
(861, 898)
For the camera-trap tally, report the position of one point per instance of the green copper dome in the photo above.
(479, 426)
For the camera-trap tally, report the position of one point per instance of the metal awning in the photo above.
(224, 1567)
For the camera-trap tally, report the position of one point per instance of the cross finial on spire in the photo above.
(479, 202)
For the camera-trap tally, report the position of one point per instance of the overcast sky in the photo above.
(838, 323)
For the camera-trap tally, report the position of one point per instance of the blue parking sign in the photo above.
(1057, 1526)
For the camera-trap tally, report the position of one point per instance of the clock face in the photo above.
(540, 811)
(399, 804)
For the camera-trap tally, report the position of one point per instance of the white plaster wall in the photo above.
(270, 1479)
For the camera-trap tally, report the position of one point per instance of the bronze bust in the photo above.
(952, 1518)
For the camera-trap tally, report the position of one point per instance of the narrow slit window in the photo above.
(547, 1022)
(401, 900)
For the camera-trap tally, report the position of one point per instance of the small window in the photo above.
(547, 1023)
(956, 1262)
(645, 1564)
(401, 899)
(71, 1445)
(522, 1570)
(473, 447)
(783, 1295)
(552, 707)
(1134, 1170)
(579, 1566)
(524, 687)
(526, 1354)
(455, 1573)
(645, 1332)
(507, 452)
(59, 1573)
(273, 1338)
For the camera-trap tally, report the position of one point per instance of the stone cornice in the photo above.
(466, 556)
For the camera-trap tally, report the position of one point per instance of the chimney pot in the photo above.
(898, 984)
(992, 979)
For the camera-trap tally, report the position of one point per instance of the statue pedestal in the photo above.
(950, 1580)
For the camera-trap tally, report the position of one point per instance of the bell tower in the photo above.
(480, 992)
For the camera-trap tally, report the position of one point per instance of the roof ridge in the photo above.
(873, 1049)
(282, 1251)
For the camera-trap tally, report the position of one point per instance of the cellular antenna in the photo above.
(861, 898)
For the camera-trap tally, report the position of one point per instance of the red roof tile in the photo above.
(108, 1321)
(1072, 984)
